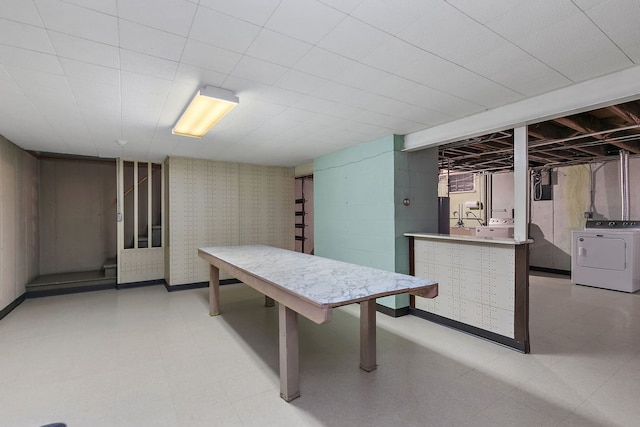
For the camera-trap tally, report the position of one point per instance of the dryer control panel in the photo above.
(613, 224)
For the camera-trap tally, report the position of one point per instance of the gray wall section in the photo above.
(416, 179)
(77, 215)
(18, 221)
(552, 221)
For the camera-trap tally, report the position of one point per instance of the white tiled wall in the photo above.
(218, 203)
(139, 265)
(475, 282)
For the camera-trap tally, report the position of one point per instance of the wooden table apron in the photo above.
(290, 305)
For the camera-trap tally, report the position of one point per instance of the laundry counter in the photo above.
(484, 284)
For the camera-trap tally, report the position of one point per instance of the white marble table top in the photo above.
(322, 280)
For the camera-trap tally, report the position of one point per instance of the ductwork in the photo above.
(624, 183)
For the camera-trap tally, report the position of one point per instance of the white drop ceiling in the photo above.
(313, 76)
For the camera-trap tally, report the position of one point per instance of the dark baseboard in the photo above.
(550, 270)
(393, 312)
(69, 290)
(140, 284)
(472, 330)
(197, 285)
(16, 302)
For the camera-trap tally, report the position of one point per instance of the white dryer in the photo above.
(606, 254)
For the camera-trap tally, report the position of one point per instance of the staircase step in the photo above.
(110, 268)
(65, 283)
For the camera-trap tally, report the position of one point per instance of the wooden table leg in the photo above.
(368, 335)
(289, 367)
(214, 291)
(269, 302)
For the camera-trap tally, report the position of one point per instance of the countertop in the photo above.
(472, 239)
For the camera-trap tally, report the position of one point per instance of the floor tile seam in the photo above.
(580, 350)
(541, 396)
(610, 378)
(513, 383)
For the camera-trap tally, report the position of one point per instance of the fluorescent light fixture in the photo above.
(205, 110)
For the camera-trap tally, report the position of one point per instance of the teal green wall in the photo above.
(359, 215)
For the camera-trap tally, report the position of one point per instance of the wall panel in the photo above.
(19, 230)
(219, 203)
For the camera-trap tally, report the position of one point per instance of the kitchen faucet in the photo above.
(474, 217)
(459, 223)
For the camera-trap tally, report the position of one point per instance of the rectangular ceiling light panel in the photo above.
(205, 110)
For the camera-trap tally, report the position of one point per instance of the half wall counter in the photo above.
(484, 285)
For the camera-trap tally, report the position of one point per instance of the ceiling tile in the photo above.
(24, 36)
(280, 96)
(258, 70)
(44, 90)
(353, 38)
(322, 63)
(146, 65)
(256, 12)
(345, 6)
(393, 17)
(104, 6)
(215, 28)
(299, 82)
(150, 41)
(171, 16)
(335, 91)
(306, 20)
(277, 48)
(86, 94)
(82, 70)
(426, 97)
(297, 115)
(619, 20)
(514, 68)
(67, 46)
(316, 105)
(77, 21)
(178, 97)
(528, 18)
(392, 55)
(452, 35)
(196, 76)
(576, 48)
(209, 57)
(143, 99)
(245, 89)
(457, 81)
(343, 112)
(29, 59)
(361, 76)
(20, 11)
(485, 10)
(4, 75)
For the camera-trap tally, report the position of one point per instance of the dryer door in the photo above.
(607, 253)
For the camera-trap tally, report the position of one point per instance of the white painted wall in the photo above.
(18, 221)
(502, 195)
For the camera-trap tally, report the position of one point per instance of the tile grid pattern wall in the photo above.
(475, 282)
(218, 203)
(18, 221)
(139, 265)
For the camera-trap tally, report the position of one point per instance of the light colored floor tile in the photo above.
(144, 356)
